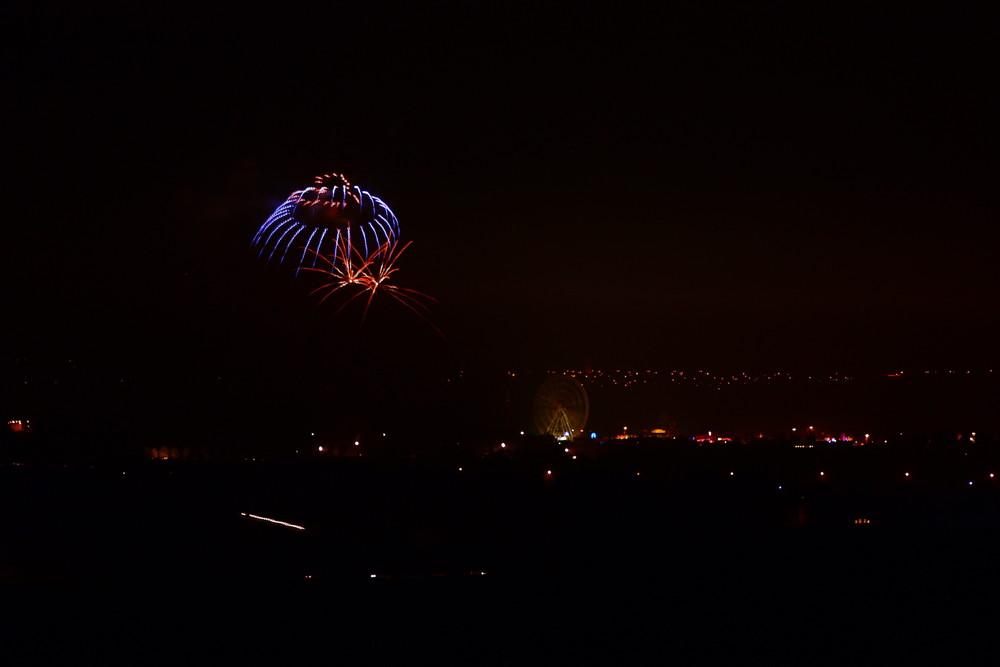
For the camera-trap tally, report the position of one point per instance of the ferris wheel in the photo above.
(561, 407)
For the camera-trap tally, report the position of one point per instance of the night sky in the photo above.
(801, 186)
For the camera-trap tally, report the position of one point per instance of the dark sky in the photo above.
(800, 185)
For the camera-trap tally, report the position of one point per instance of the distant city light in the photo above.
(320, 448)
(907, 474)
(356, 443)
(503, 444)
(821, 473)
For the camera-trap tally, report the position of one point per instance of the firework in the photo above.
(328, 214)
(365, 276)
(351, 238)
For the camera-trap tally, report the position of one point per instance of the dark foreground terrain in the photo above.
(499, 563)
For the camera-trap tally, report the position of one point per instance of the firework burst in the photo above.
(365, 276)
(324, 214)
(351, 239)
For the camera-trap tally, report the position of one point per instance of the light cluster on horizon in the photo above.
(708, 379)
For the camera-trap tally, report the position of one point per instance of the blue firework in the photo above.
(329, 215)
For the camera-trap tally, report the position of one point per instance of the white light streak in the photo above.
(280, 523)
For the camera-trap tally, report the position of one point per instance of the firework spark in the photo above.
(369, 275)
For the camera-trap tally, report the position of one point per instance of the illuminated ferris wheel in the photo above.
(561, 407)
